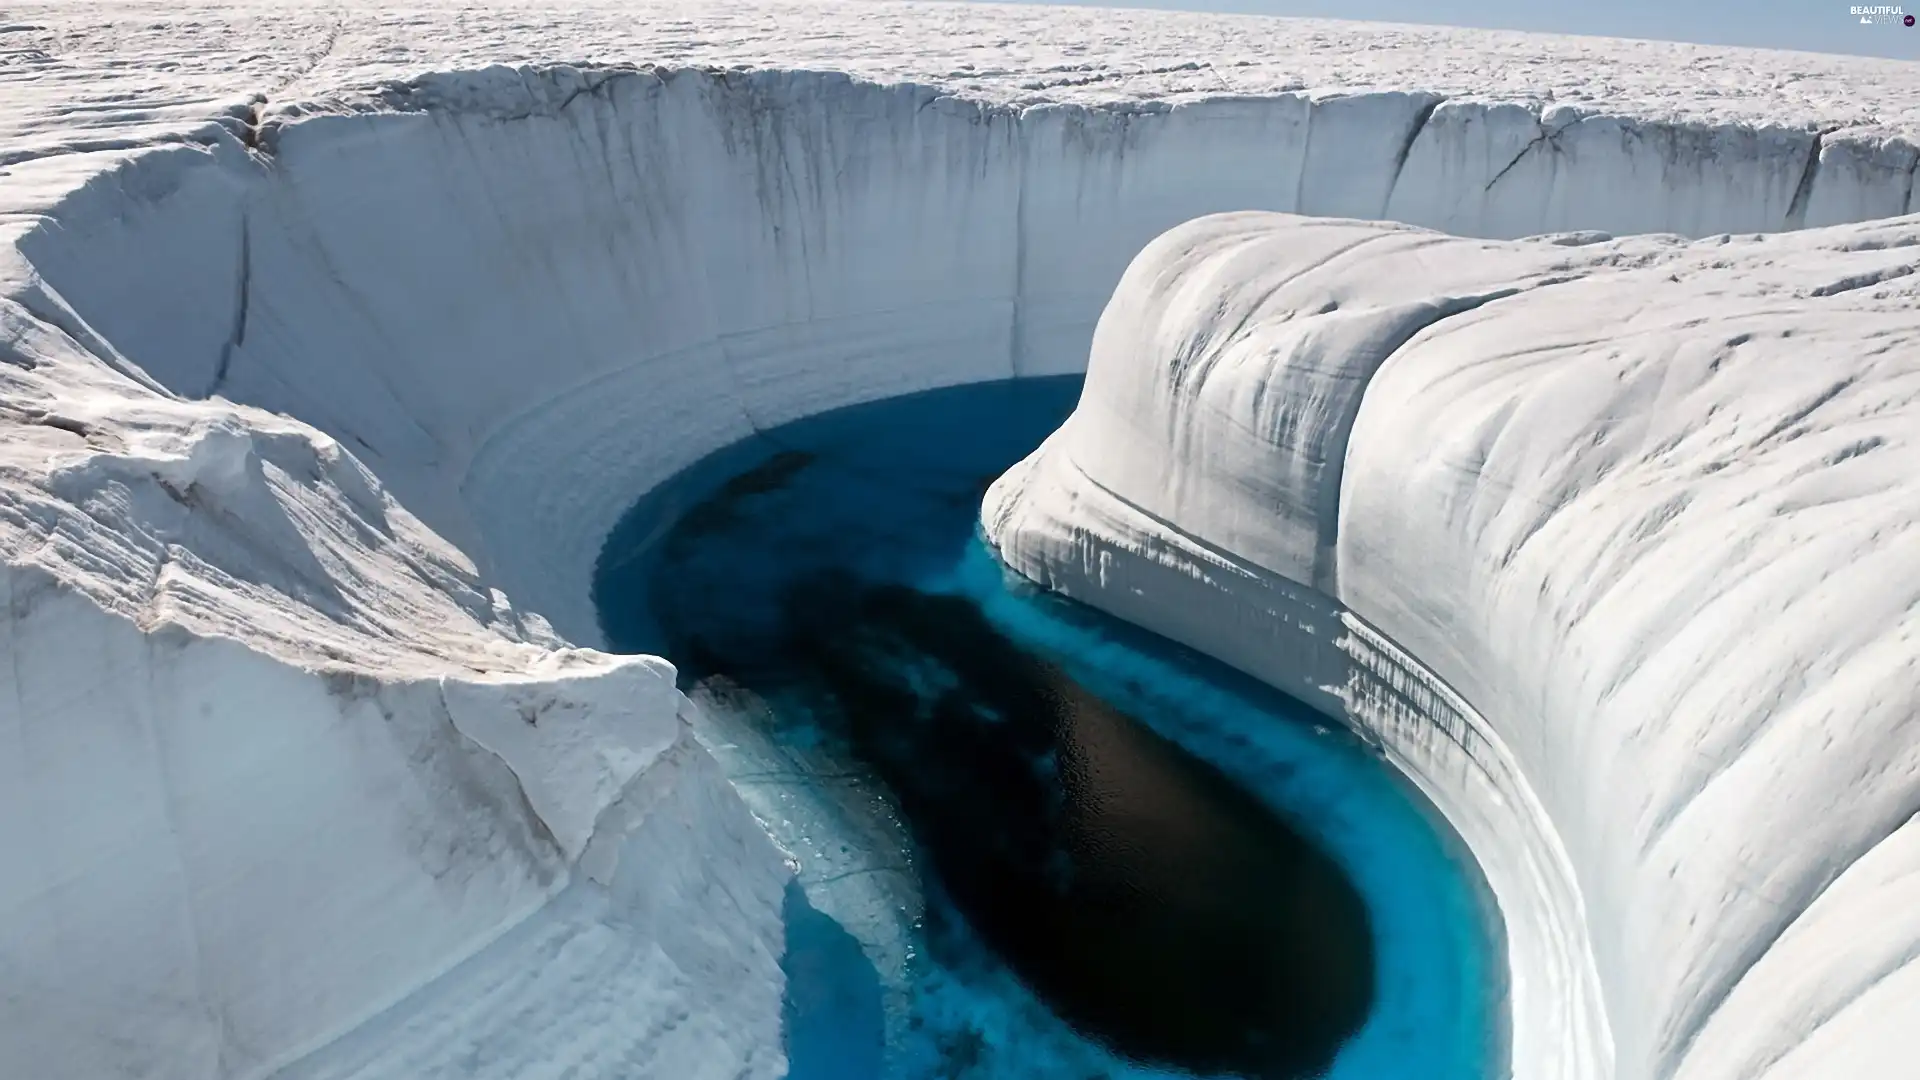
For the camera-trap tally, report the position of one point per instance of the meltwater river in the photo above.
(1033, 842)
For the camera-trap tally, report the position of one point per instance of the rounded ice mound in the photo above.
(1614, 547)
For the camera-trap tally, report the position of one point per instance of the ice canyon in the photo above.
(1542, 410)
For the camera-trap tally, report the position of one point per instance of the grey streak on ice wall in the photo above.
(442, 272)
(1618, 542)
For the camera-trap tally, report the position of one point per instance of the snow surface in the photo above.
(1648, 506)
(329, 353)
(274, 757)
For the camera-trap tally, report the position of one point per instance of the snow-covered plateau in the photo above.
(335, 338)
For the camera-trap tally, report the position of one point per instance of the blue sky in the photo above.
(1814, 25)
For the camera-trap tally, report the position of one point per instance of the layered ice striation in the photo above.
(1609, 546)
(314, 414)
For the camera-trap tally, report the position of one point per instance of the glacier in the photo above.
(335, 339)
(1600, 544)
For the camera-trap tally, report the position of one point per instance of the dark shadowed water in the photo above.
(1149, 901)
(1082, 895)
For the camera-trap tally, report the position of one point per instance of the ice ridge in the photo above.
(1606, 546)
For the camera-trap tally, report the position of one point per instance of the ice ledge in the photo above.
(1649, 510)
(275, 756)
(1051, 523)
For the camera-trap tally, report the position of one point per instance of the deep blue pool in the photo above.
(1034, 842)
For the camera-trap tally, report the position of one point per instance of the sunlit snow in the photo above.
(336, 338)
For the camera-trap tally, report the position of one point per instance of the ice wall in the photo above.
(273, 756)
(1611, 547)
(521, 297)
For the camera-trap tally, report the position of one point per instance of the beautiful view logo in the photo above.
(1881, 13)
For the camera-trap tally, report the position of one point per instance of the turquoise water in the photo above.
(892, 971)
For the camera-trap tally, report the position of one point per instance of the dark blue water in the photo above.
(1034, 842)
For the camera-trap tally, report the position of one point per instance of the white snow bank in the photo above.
(102, 73)
(514, 300)
(274, 756)
(216, 860)
(1648, 506)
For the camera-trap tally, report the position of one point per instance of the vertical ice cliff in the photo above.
(404, 277)
(274, 755)
(269, 712)
(1611, 546)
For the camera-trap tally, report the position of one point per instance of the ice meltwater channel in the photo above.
(1059, 845)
